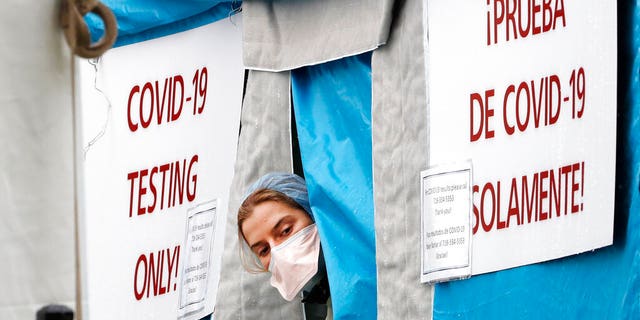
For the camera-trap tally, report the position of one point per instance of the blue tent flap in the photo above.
(140, 20)
(332, 104)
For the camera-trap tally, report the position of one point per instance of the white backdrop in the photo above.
(36, 161)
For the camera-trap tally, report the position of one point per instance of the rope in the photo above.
(76, 30)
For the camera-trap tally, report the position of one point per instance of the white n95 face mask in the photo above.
(295, 261)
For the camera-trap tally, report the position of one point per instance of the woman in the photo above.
(277, 234)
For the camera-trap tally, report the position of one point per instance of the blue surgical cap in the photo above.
(288, 183)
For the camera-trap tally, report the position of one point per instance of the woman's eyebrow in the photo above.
(256, 244)
(275, 227)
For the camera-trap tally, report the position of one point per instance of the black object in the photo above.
(54, 312)
(314, 301)
(319, 293)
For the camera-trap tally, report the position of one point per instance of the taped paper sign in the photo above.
(159, 129)
(446, 223)
(195, 270)
(527, 90)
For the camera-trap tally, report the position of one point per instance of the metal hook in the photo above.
(77, 33)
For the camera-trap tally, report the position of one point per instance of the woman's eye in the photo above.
(264, 251)
(286, 231)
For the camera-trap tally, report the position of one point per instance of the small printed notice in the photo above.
(199, 237)
(446, 215)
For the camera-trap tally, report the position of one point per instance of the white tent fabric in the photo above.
(264, 146)
(284, 34)
(36, 161)
(399, 128)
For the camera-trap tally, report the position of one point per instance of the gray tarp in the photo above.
(36, 161)
(264, 146)
(399, 127)
(287, 34)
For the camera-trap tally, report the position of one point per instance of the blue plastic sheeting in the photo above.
(604, 284)
(332, 103)
(140, 20)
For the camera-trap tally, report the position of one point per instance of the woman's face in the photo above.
(270, 224)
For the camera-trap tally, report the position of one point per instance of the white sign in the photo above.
(159, 125)
(446, 226)
(527, 91)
